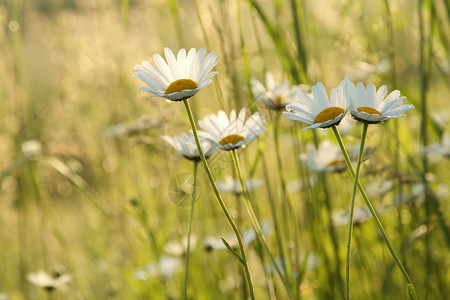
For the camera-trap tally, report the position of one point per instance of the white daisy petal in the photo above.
(155, 75)
(172, 62)
(388, 105)
(163, 67)
(320, 94)
(189, 61)
(379, 96)
(399, 109)
(181, 63)
(296, 117)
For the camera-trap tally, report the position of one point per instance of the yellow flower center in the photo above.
(279, 100)
(328, 114)
(369, 110)
(335, 163)
(180, 85)
(231, 139)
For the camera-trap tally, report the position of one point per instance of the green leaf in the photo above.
(233, 252)
(412, 292)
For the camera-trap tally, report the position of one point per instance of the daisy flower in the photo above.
(443, 148)
(234, 186)
(360, 215)
(164, 268)
(231, 133)
(319, 111)
(371, 107)
(179, 78)
(275, 95)
(186, 146)
(326, 158)
(211, 243)
(179, 248)
(49, 282)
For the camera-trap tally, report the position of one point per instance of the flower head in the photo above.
(361, 214)
(327, 157)
(319, 111)
(179, 248)
(164, 268)
(231, 133)
(368, 105)
(211, 243)
(275, 95)
(49, 282)
(186, 146)
(179, 78)
(443, 148)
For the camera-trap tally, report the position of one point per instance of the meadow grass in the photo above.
(88, 187)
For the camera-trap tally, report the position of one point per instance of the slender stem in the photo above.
(256, 225)
(411, 288)
(191, 217)
(220, 200)
(352, 208)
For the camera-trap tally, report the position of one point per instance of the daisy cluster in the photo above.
(366, 105)
(181, 77)
(178, 78)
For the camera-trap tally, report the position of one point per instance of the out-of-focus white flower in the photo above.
(49, 282)
(328, 157)
(234, 186)
(249, 235)
(232, 133)
(186, 146)
(178, 78)
(362, 70)
(442, 148)
(176, 248)
(379, 187)
(361, 214)
(164, 268)
(31, 148)
(275, 95)
(298, 184)
(135, 126)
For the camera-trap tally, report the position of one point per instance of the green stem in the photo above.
(191, 216)
(352, 208)
(411, 289)
(256, 225)
(220, 200)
